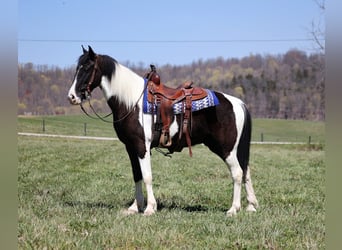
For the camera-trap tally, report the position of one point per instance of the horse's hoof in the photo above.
(129, 212)
(149, 212)
(150, 209)
(250, 208)
(232, 212)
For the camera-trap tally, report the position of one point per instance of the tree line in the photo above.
(286, 86)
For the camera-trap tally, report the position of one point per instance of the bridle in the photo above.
(92, 77)
(87, 94)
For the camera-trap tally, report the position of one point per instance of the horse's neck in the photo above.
(126, 85)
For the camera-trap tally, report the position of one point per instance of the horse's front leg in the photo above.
(138, 204)
(145, 166)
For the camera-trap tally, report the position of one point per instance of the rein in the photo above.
(97, 115)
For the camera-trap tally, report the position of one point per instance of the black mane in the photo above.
(106, 63)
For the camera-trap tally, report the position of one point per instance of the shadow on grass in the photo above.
(174, 206)
(161, 205)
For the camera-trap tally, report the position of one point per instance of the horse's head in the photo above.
(87, 76)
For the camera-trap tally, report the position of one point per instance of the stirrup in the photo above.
(165, 139)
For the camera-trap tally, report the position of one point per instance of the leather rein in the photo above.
(88, 96)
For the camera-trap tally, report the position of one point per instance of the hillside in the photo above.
(289, 86)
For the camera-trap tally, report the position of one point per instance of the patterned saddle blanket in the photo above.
(209, 101)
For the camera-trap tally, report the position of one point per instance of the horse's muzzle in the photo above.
(74, 100)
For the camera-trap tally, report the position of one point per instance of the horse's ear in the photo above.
(84, 50)
(92, 54)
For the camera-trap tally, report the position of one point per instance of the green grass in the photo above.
(65, 125)
(272, 129)
(288, 130)
(72, 193)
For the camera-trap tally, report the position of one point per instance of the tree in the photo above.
(289, 86)
(317, 30)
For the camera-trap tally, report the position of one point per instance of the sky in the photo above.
(51, 32)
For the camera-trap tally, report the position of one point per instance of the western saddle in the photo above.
(164, 97)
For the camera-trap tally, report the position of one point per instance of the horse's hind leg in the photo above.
(251, 198)
(236, 173)
(237, 176)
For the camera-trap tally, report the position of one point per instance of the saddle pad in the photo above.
(209, 101)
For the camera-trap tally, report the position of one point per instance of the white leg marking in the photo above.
(236, 173)
(251, 198)
(145, 165)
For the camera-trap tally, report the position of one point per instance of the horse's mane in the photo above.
(123, 82)
(127, 85)
(108, 66)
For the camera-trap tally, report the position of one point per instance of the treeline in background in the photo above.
(287, 86)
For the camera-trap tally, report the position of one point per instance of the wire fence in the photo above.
(66, 125)
(86, 127)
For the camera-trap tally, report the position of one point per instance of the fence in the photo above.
(83, 126)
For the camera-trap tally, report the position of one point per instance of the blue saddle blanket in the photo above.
(209, 101)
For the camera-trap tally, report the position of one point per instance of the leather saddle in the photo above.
(165, 97)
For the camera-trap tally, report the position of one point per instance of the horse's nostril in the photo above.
(71, 97)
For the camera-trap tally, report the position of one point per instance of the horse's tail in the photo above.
(244, 143)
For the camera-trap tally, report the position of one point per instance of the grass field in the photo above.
(72, 194)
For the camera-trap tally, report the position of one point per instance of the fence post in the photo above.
(43, 125)
(85, 129)
(262, 137)
(309, 139)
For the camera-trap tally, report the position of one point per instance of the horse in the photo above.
(225, 128)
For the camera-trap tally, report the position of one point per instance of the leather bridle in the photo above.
(92, 77)
(88, 94)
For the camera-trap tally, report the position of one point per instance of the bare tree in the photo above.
(317, 30)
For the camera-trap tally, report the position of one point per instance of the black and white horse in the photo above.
(225, 129)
